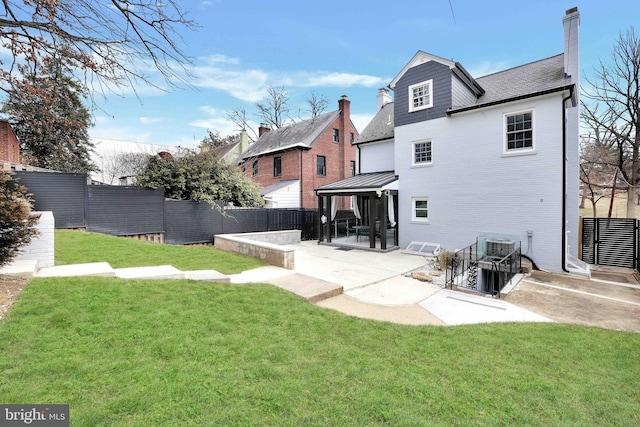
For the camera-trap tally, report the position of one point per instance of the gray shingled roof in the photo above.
(301, 134)
(545, 75)
(362, 182)
(222, 151)
(380, 127)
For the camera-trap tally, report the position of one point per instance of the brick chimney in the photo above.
(345, 126)
(244, 141)
(344, 105)
(571, 24)
(264, 128)
(383, 97)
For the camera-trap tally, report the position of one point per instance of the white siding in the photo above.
(473, 187)
(285, 197)
(377, 157)
(460, 93)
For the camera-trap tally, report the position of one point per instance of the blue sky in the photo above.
(343, 47)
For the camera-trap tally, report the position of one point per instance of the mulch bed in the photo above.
(10, 287)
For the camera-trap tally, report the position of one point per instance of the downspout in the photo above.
(564, 180)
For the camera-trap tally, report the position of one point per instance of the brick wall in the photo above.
(338, 157)
(9, 145)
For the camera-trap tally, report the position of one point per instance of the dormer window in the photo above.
(421, 96)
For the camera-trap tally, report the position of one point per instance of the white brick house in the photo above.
(494, 154)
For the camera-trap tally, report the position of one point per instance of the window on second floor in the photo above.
(421, 96)
(519, 131)
(352, 167)
(277, 166)
(322, 165)
(352, 137)
(336, 135)
(422, 154)
(254, 168)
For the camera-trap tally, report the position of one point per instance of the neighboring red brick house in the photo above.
(290, 162)
(9, 144)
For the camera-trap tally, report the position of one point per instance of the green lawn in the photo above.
(75, 247)
(179, 353)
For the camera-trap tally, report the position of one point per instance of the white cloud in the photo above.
(149, 120)
(344, 80)
(226, 74)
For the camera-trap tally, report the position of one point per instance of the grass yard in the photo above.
(76, 247)
(618, 210)
(167, 353)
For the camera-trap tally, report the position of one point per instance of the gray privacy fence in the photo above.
(129, 210)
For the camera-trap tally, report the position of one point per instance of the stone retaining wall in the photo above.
(269, 246)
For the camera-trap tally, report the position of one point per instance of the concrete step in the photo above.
(309, 288)
(206, 275)
(154, 272)
(102, 269)
(22, 268)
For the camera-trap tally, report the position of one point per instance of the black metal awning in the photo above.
(361, 183)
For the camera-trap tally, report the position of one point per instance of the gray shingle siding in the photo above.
(441, 75)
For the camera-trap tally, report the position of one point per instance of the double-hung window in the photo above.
(254, 168)
(277, 166)
(420, 209)
(322, 166)
(422, 154)
(336, 135)
(421, 96)
(519, 131)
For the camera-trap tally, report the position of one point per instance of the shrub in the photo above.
(16, 222)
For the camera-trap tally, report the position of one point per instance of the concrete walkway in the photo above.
(360, 283)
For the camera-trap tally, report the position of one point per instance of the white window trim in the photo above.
(422, 107)
(413, 153)
(518, 151)
(413, 210)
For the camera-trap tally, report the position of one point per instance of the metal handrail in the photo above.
(463, 265)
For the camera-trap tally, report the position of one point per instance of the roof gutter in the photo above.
(504, 101)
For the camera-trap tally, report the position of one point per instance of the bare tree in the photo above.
(599, 171)
(110, 40)
(616, 108)
(317, 103)
(274, 108)
(126, 165)
(239, 118)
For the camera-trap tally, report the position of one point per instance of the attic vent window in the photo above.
(421, 96)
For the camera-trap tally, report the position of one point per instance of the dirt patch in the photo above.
(584, 302)
(10, 288)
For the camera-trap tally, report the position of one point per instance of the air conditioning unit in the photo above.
(499, 248)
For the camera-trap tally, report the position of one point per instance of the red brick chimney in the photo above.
(264, 128)
(345, 120)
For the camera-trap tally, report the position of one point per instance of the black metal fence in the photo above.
(611, 241)
(129, 210)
